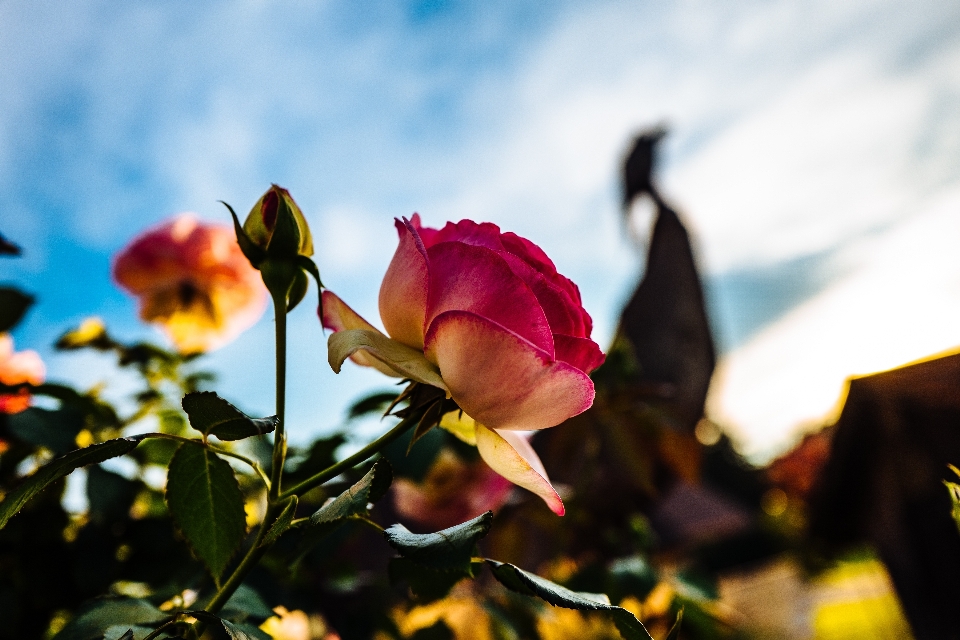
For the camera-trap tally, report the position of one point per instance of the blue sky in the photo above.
(807, 139)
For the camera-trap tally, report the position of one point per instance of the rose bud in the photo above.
(276, 239)
(193, 281)
(18, 368)
(485, 316)
(277, 226)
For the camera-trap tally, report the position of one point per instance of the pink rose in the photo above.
(453, 491)
(485, 316)
(193, 281)
(23, 367)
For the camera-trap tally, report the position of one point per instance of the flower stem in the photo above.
(256, 551)
(280, 436)
(332, 472)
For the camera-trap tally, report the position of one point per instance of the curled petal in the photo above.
(403, 293)
(405, 361)
(511, 455)
(582, 353)
(338, 316)
(502, 380)
(476, 279)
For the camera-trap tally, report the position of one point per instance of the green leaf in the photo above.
(352, 502)
(246, 604)
(60, 467)
(206, 504)
(406, 361)
(426, 584)
(376, 402)
(448, 549)
(518, 580)
(13, 306)
(282, 523)
(211, 415)
(234, 631)
(95, 618)
(370, 488)
(56, 430)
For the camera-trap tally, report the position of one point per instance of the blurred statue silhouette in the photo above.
(665, 321)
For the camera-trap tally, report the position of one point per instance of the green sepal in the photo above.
(310, 267)
(50, 473)
(94, 618)
(430, 419)
(250, 249)
(206, 504)
(211, 415)
(518, 580)
(297, 290)
(13, 306)
(279, 276)
(449, 549)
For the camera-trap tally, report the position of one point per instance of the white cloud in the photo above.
(900, 304)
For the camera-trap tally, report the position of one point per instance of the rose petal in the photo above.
(502, 380)
(406, 361)
(403, 293)
(484, 234)
(461, 425)
(582, 353)
(515, 460)
(427, 234)
(528, 252)
(338, 316)
(476, 279)
(562, 313)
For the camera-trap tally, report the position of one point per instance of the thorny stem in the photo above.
(332, 472)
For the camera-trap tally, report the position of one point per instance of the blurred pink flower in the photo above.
(452, 492)
(24, 367)
(485, 316)
(193, 281)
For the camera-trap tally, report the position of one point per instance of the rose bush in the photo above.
(485, 316)
(193, 281)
